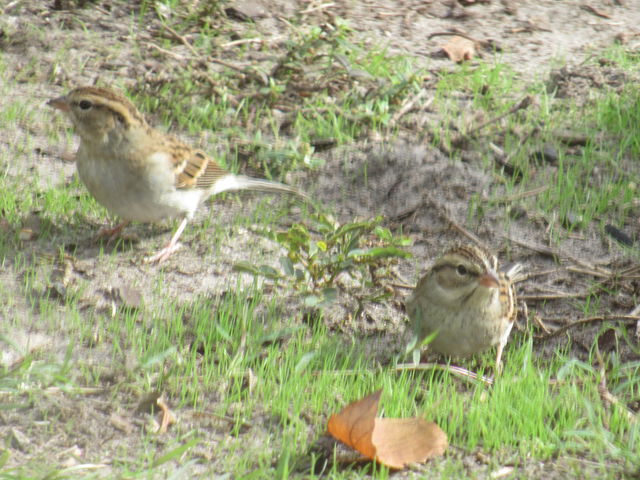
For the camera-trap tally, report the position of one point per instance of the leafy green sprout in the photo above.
(313, 262)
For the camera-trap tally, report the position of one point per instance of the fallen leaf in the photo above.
(354, 425)
(400, 441)
(459, 49)
(393, 442)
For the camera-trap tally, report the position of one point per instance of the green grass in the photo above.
(301, 375)
(608, 119)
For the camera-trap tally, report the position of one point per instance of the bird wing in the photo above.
(193, 168)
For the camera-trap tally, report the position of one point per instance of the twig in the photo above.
(471, 236)
(587, 271)
(521, 195)
(538, 321)
(409, 104)
(253, 73)
(458, 371)
(176, 56)
(454, 34)
(181, 39)
(595, 11)
(522, 104)
(547, 251)
(505, 160)
(584, 321)
(587, 265)
(552, 296)
(636, 311)
(527, 276)
(521, 143)
(608, 398)
(541, 249)
(406, 213)
(319, 7)
(242, 41)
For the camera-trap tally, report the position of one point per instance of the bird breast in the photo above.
(465, 325)
(136, 191)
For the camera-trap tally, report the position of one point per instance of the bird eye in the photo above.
(85, 104)
(462, 270)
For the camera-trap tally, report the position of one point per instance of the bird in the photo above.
(463, 304)
(139, 173)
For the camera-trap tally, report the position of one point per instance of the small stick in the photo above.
(242, 41)
(519, 196)
(636, 311)
(527, 276)
(181, 39)
(587, 272)
(175, 56)
(584, 321)
(401, 285)
(538, 321)
(471, 236)
(552, 296)
(255, 74)
(541, 249)
(409, 104)
(454, 34)
(458, 371)
(319, 7)
(522, 104)
(523, 140)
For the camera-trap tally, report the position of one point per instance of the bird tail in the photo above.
(240, 182)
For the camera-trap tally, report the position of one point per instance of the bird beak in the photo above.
(61, 103)
(490, 279)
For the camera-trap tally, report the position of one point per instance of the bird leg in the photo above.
(111, 234)
(498, 369)
(171, 247)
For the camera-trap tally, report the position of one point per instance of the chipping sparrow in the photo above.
(465, 303)
(139, 173)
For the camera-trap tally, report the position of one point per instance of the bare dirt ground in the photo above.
(47, 47)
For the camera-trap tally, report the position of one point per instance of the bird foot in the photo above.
(163, 254)
(111, 234)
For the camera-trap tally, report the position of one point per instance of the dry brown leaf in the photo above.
(400, 441)
(393, 442)
(354, 425)
(460, 49)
